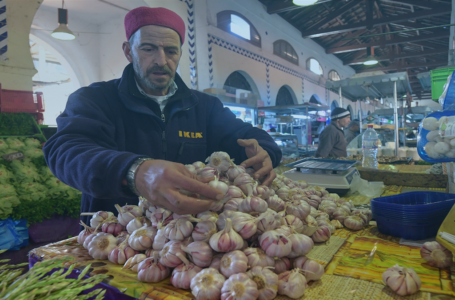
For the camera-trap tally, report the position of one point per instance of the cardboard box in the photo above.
(215, 91)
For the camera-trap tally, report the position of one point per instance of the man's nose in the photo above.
(160, 58)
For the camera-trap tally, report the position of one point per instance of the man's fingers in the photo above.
(265, 170)
(270, 177)
(257, 159)
(194, 186)
(183, 204)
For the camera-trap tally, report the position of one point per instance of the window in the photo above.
(238, 81)
(334, 76)
(284, 50)
(284, 97)
(238, 25)
(314, 66)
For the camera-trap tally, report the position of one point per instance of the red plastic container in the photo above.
(12, 101)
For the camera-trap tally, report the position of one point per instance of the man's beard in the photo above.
(144, 80)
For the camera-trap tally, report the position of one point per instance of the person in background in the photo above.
(131, 136)
(352, 131)
(332, 142)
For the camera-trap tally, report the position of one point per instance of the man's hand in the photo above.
(259, 159)
(160, 181)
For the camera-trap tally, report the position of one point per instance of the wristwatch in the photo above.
(131, 174)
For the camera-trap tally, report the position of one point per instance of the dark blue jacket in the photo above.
(108, 125)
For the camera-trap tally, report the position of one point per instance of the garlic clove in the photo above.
(207, 284)
(239, 286)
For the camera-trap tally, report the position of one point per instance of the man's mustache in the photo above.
(164, 69)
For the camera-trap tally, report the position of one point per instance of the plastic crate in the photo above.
(414, 231)
(13, 101)
(438, 79)
(414, 201)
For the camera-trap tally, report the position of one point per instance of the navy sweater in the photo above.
(107, 126)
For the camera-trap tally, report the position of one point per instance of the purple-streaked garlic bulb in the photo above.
(257, 257)
(283, 193)
(354, 222)
(436, 255)
(203, 231)
(160, 239)
(112, 227)
(294, 222)
(233, 262)
(208, 216)
(269, 220)
(84, 233)
(298, 208)
(89, 238)
(263, 192)
(233, 192)
(127, 213)
(275, 244)
(292, 284)
(142, 238)
(207, 284)
(101, 245)
(133, 262)
(266, 280)
(232, 204)
(183, 273)
(199, 253)
(253, 205)
(282, 264)
(244, 224)
(227, 239)
(207, 172)
(403, 281)
(246, 183)
(239, 286)
(221, 222)
(99, 217)
(311, 269)
(216, 261)
(158, 215)
(340, 214)
(275, 203)
(220, 161)
(234, 171)
(178, 230)
(151, 253)
(220, 186)
(121, 253)
(168, 255)
(137, 223)
(301, 245)
(151, 270)
(322, 234)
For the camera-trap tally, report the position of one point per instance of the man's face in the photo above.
(155, 54)
(344, 122)
(355, 128)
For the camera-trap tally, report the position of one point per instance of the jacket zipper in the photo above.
(163, 137)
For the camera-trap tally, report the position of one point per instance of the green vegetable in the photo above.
(5, 175)
(32, 143)
(7, 190)
(6, 206)
(33, 153)
(15, 144)
(17, 124)
(3, 145)
(24, 170)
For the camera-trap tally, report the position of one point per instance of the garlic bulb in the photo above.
(246, 183)
(182, 274)
(310, 225)
(144, 204)
(403, 281)
(122, 236)
(192, 169)
(220, 161)
(354, 222)
(158, 215)
(298, 208)
(269, 220)
(337, 224)
(239, 286)
(257, 257)
(234, 171)
(284, 230)
(221, 222)
(234, 262)
(178, 230)
(293, 222)
(327, 223)
(121, 253)
(151, 270)
(133, 262)
(200, 253)
(112, 227)
(101, 245)
(203, 231)
(322, 234)
(275, 244)
(436, 255)
(89, 238)
(266, 280)
(219, 185)
(142, 238)
(311, 268)
(244, 224)
(208, 216)
(328, 207)
(168, 255)
(137, 223)
(301, 245)
(160, 239)
(314, 212)
(282, 265)
(199, 165)
(84, 233)
(207, 172)
(292, 284)
(253, 205)
(340, 214)
(274, 202)
(283, 193)
(263, 192)
(232, 204)
(151, 253)
(207, 284)
(127, 213)
(216, 261)
(99, 217)
(226, 240)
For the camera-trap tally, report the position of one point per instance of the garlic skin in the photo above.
(178, 230)
(322, 234)
(253, 205)
(84, 233)
(133, 262)
(101, 245)
(150, 270)
(258, 258)
(310, 225)
(275, 244)
(239, 286)
(127, 213)
(142, 238)
(234, 262)
(99, 217)
(89, 238)
(182, 274)
(354, 222)
(301, 245)
(292, 284)
(403, 281)
(207, 284)
(121, 253)
(112, 227)
(203, 231)
(220, 161)
(282, 265)
(244, 224)
(226, 240)
(158, 215)
(160, 239)
(200, 253)
(269, 220)
(208, 216)
(137, 223)
(232, 204)
(168, 255)
(266, 280)
(311, 268)
(436, 255)
(234, 171)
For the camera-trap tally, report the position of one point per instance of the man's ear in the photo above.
(127, 51)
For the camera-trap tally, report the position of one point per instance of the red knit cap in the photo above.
(159, 16)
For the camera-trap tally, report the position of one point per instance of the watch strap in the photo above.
(131, 174)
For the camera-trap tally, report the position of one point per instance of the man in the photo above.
(131, 136)
(332, 142)
(351, 131)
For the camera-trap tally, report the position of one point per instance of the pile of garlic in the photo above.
(252, 244)
(438, 147)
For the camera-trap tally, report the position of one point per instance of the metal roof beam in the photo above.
(404, 67)
(282, 6)
(419, 3)
(397, 56)
(334, 14)
(376, 22)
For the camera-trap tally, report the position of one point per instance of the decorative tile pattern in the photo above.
(303, 90)
(3, 31)
(210, 63)
(191, 42)
(268, 83)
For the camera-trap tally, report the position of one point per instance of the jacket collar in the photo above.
(336, 126)
(134, 100)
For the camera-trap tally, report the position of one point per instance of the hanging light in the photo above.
(62, 32)
(370, 60)
(304, 2)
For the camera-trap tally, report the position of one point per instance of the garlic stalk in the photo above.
(151, 253)
(311, 268)
(133, 262)
(121, 253)
(127, 213)
(266, 280)
(282, 264)
(160, 239)
(354, 222)
(137, 223)
(301, 245)
(239, 286)
(292, 221)
(207, 284)
(203, 231)
(221, 222)
(84, 233)
(292, 284)
(168, 255)
(178, 230)
(403, 281)
(275, 244)
(436, 255)
(232, 204)
(101, 245)
(233, 262)
(234, 171)
(274, 202)
(182, 274)
(158, 215)
(257, 257)
(200, 253)
(151, 270)
(112, 227)
(220, 161)
(142, 238)
(268, 220)
(99, 217)
(226, 240)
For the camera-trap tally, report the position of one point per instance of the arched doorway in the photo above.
(285, 96)
(334, 105)
(238, 81)
(351, 111)
(315, 99)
